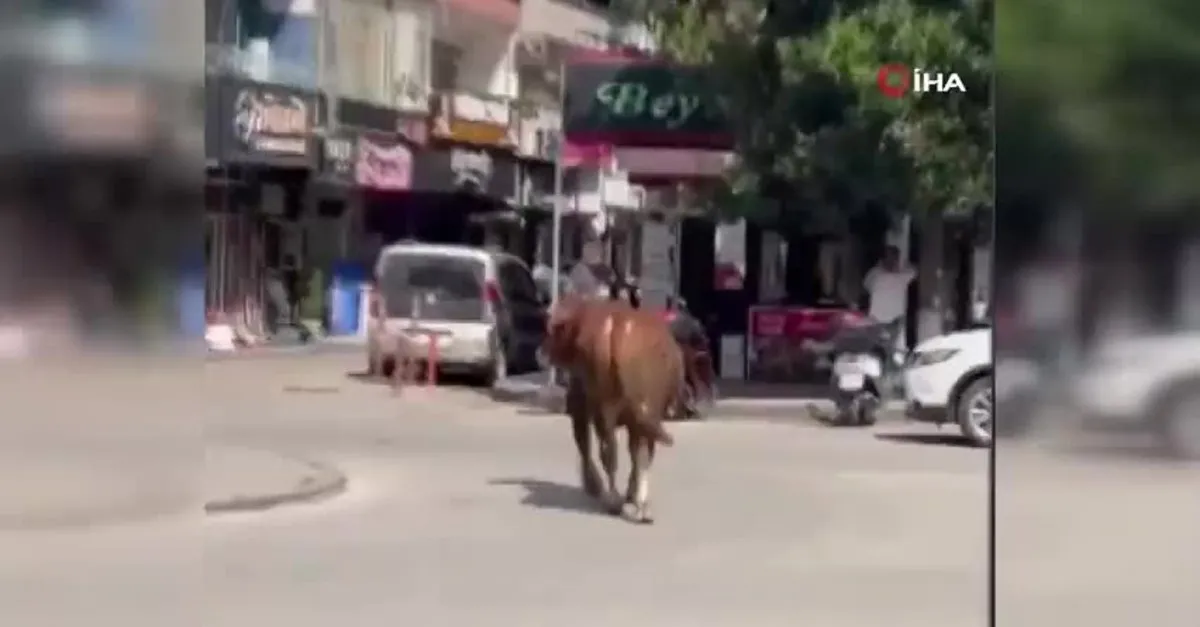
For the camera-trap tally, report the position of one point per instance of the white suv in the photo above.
(948, 378)
(1149, 382)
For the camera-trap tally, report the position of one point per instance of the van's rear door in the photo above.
(437, 287)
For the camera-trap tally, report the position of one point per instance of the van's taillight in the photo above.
(491, 294)
(373, 304)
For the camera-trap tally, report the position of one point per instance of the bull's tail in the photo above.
(660, 434)
(651, 427)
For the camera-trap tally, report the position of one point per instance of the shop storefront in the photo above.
(470, 173)
(466, 194)
(260, 147)
(365, 178)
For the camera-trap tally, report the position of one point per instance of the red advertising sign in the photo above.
(790, 343)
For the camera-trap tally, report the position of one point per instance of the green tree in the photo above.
(1113, 87)
(814, 134)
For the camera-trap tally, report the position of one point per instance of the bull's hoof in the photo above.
(592, 486)
(615, 504)
(640, 514)
(592, 489)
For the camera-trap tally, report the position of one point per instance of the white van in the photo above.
(483, 306)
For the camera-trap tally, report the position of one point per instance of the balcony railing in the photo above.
(476, 107)
(472, 117)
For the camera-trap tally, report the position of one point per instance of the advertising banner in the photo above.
(790, 344)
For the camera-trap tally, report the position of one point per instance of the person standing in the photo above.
(887, 288)
(590, 278)
(277, 303)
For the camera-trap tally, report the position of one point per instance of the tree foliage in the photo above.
(814, 133)
(1112, 90)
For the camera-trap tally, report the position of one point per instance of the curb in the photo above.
(326, 482)
(316, 348)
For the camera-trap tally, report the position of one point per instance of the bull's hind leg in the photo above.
(606, 433)
(631, 486)
(641, 450)
(581, 430)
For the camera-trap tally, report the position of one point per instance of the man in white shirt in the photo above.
(585, 277)
(887, 284)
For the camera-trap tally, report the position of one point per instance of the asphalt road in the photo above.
(463, 512)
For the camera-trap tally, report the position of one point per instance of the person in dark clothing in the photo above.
(293, 283)
(626, 290)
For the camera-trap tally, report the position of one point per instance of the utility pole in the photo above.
(557, 220)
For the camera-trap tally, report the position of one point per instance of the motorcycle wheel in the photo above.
(869, 414)
(863, 411)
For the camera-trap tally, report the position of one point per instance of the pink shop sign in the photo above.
(386, 168)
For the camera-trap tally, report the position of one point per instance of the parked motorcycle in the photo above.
(699, 379)
(867, 370)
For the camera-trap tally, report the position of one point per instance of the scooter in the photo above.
(867, 371)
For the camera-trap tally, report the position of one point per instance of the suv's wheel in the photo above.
(1178, 423)
(975, 411)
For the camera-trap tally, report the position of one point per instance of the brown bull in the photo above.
(626, 371)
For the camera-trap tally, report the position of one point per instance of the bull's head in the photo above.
(561, 344)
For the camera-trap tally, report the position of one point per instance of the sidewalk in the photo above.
(739, 399)
(321, 346)
(238, 479)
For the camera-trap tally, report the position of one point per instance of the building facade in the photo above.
(335, 126)
(338, 126)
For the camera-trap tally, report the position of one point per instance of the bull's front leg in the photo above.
(581, 430)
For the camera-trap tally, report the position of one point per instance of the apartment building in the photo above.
(335, 126)
(597, 195)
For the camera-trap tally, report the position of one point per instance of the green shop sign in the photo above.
(640, 103)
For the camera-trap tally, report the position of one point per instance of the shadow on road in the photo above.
(539, 411)
(928, 439)
(1120, 447)
(552, 495)
(365, 377)
(443, 380)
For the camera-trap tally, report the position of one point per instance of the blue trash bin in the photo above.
(345, 287)
(190, 300)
